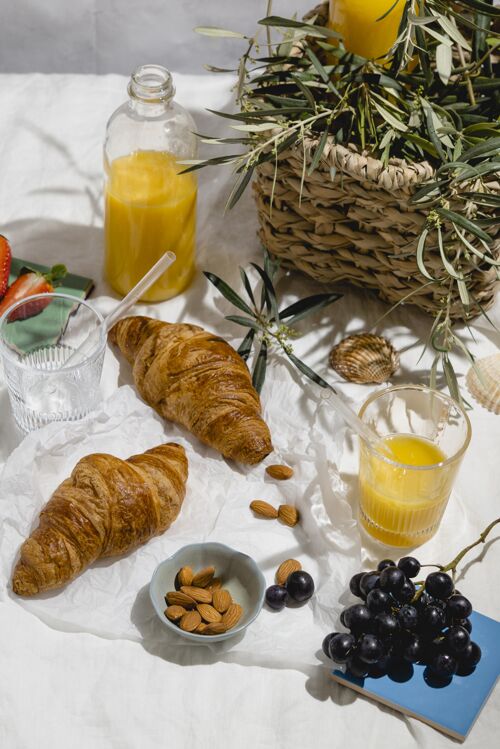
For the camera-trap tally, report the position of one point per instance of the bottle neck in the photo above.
(151, 90)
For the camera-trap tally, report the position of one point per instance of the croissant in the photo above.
(107, 507)
(195, 378)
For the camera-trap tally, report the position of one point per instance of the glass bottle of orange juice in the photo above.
(149, 206)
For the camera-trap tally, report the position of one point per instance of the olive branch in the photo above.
(437, 99)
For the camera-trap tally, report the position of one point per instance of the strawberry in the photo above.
(28, 283)
(5, 260)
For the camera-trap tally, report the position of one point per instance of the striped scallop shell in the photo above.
(486, 388)
(365, 358)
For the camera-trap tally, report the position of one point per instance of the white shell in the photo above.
(486, 388)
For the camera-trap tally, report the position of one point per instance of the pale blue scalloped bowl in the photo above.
(239, 573)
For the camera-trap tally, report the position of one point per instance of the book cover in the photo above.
(451, 708)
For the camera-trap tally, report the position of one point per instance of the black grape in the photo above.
(456, 639)
(377, 600)
(354, 585)
(410, 566)
(340, 647)
(439, 585)
(392, 579)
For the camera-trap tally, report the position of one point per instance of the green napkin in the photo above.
(47, 327)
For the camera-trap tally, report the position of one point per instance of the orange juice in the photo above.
(150, 208)
(357, 21)
(403, 499)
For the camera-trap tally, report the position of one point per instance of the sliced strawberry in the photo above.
(5, 261)
(27, 284)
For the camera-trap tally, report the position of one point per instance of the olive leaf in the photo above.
(269, 328)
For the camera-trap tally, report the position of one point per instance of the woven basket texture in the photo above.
(351, 220)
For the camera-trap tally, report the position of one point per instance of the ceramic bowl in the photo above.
(239, 573)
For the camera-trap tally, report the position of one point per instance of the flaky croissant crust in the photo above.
(106, 508)
(196, 379)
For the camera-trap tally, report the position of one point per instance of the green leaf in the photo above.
(285, 23)
(490, 147)
(451, 379)
(444, 62)
(319, 67)
(259, 371)
(451, 29)
(307, 93)
(228, 292)
(432, 119)
(420, 255)
(271, 295)
(246, 284)
(433, 372)
(424, 144)
(308, 372)
(257, 127)
(442, 39)
(464, 294)
(457, 218)
(474, 250)
(447, 265)
(388, 117)
(239, 188)
(308, 306)
(214, 31)
(245, 322)
(318, 153)
(245, 347)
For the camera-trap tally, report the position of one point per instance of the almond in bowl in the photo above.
(227, 597)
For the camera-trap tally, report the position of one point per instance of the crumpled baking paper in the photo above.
(111, 598)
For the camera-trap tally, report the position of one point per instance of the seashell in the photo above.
(483, 382)
(365, 358)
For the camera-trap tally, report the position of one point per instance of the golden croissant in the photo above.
(107, 507)
(196, 379)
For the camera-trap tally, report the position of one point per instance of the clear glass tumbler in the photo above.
(402, 500)
(37, 336)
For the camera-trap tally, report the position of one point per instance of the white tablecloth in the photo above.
(61, 689)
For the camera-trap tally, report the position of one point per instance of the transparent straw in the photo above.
(127, 302)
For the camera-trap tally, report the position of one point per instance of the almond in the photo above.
(174, 613)
(281, 473)
(263, 509)
(232, 615)
(215, 584)
(183, 577)
(288, 515)
(285, 570)
(221, 600)
(217, 628)
(202, 578)
(200, 595)
(190, 621)
(200, 629)
(177, 598)
(208, 613)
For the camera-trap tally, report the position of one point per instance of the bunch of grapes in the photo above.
(400, 623)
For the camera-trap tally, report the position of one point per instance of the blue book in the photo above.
(451, 708)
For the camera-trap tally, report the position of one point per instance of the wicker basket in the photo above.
(354, 223)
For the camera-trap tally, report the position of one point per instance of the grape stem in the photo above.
(452, 566)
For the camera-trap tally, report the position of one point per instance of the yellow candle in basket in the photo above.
(403, 499)
(150, 208)
(357, 21)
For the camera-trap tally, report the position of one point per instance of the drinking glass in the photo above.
(37, 336)
(402, 504)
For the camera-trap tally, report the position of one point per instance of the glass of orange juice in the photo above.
(405, 481)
